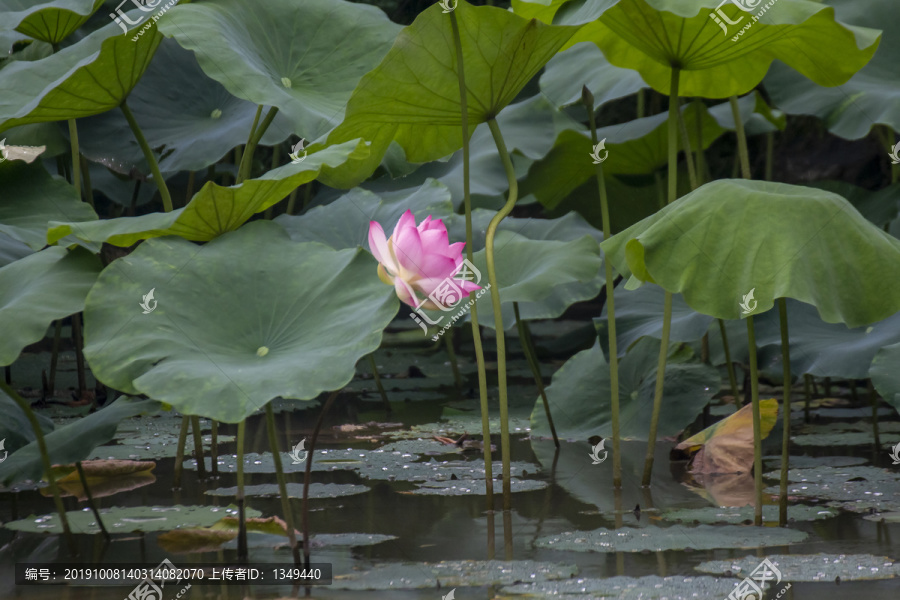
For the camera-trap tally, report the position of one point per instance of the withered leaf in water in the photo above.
(102, 487)
(104, 468)
(187, 541)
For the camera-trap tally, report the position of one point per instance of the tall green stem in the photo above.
(476, 329)
(454, 364)
(250, 137)
(786, 412)
(377, 377)
(246, 164)
(743, 153)
(76, 156)
(308, 474)
(757, 426)
(667, 306)
(531, 358)
(686, 147)
(495, 303)
(588, 100)
(45, 462)
(198, 447)
(732, 379)
(148, 155)
(179, 452)
(282, 482)
(242, 519)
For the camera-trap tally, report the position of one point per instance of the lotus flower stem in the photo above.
(786, 416)
(454, 364)
(873, 399)
(45, 460)
(292, 199)
(743, 153)
(495, 303)
(282, 482)
(78, 342)
(240, 159)
(247, 160)
(54, 357)
(308, 472)
(179, 452)
(588, 99)
(531, 357)
(701, 154)
(378, 384)
(770, 155)
(214, 448)
(476, 329)
(757, 426)
(242, 516)
(667, 302)
(732, 378)
(148, 155)
(90, 499)
(686, 145)
(88, 188)
(198, 446)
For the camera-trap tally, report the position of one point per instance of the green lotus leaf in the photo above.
(72, 442)
(881, 207)
(64, 85)
(412, 97)
(825, 568)
(729, 237)
(50, 22)
(871, 96)
(584, 65)
(718, 61)
(15, 427)
(885, 375)
(310, 315)
(576, 387)
(194, 124)
(36, 290)
(213, 210)
(32, 198)
(303, 57)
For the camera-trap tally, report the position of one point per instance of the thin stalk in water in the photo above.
(786, 413)
(90, 499)
(686, 148)
(282, 482)
(732, 378)
(757, 425)
(667, 302)
(588, 99)
(476, 330)
(148, 155)
(78, 342)
(498, 311)
(308, 473)
(45, 462)
(743, 153)
(88, 188)
(242, 517)
(179, 452)
(454, 364)
(531, 357)
(378, 384)
(873, 400)
(54, 357)
(198, 447)
(214, 448)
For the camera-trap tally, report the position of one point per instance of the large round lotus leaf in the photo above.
(812, 567)
(189, 119)
(303, 57)
(451, 574)
(872, 95)
(676, 537)
(249, 316)
(133, 518)
(649, 587)
(729, 237)
(50, 22)
(880, 207)
(12, 250)
(38, 289)
(584, 65)
(64, 85)
(579, 391)
(412, 97)
(32, 198)
(213, 210)
(719, 61)
(885, 374)
(72, 442)
(15, 427)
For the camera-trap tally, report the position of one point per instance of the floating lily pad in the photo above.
(324, 460)
(677, 537)
(812, 567)
(806, 462)
(871, 506)
(450, 574)
(149, 446)
(463, 424)
(868, 484)
(651, 587)
(474, 487)
(888, 517)
(421, 446)
(737, 515)
(135, 518)
(832, 474)
(295, 490)
(835, 439)
(439, 471)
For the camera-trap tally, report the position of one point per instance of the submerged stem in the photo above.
(732, 379)
(179, 452)
(378, 384)
(308, 472)
(495, 303)
(757, 426)
(786, 412)
(198, 447)
(476, 329)
(242, 517)
(90, 499)
(282, 482)
(148, 155)
(531, 358)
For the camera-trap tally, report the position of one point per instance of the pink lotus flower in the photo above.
(416, 260)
